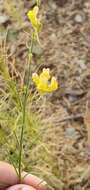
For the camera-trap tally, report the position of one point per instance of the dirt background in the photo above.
(64, 157)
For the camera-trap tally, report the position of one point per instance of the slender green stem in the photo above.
(21, 139)
(24, 112)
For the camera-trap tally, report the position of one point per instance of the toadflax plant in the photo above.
(44, 82)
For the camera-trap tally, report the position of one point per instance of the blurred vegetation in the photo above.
(14, 10)
(37, 156)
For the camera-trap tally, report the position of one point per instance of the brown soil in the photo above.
(65, 40)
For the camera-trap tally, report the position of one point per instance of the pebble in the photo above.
(78, 18)
(71, 133)
(3, 19)
(72, 98)
(82, 64)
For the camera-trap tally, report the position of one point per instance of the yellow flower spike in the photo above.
(32, 15)
(42, 82)
(54, 84)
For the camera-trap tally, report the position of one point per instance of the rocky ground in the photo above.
(65, 40)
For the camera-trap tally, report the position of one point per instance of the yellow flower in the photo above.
(54, 84)
(32, 15)
(42, 82)
(35, 78)
(45, 74)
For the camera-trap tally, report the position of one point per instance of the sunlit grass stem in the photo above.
(24, 109)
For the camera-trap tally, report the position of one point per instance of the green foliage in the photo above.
(3, 67)
(11, 114)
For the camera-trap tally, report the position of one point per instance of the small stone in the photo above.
(72, 98)
(3, 19)
(71, 133)
(78, 18)
(82, 64)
